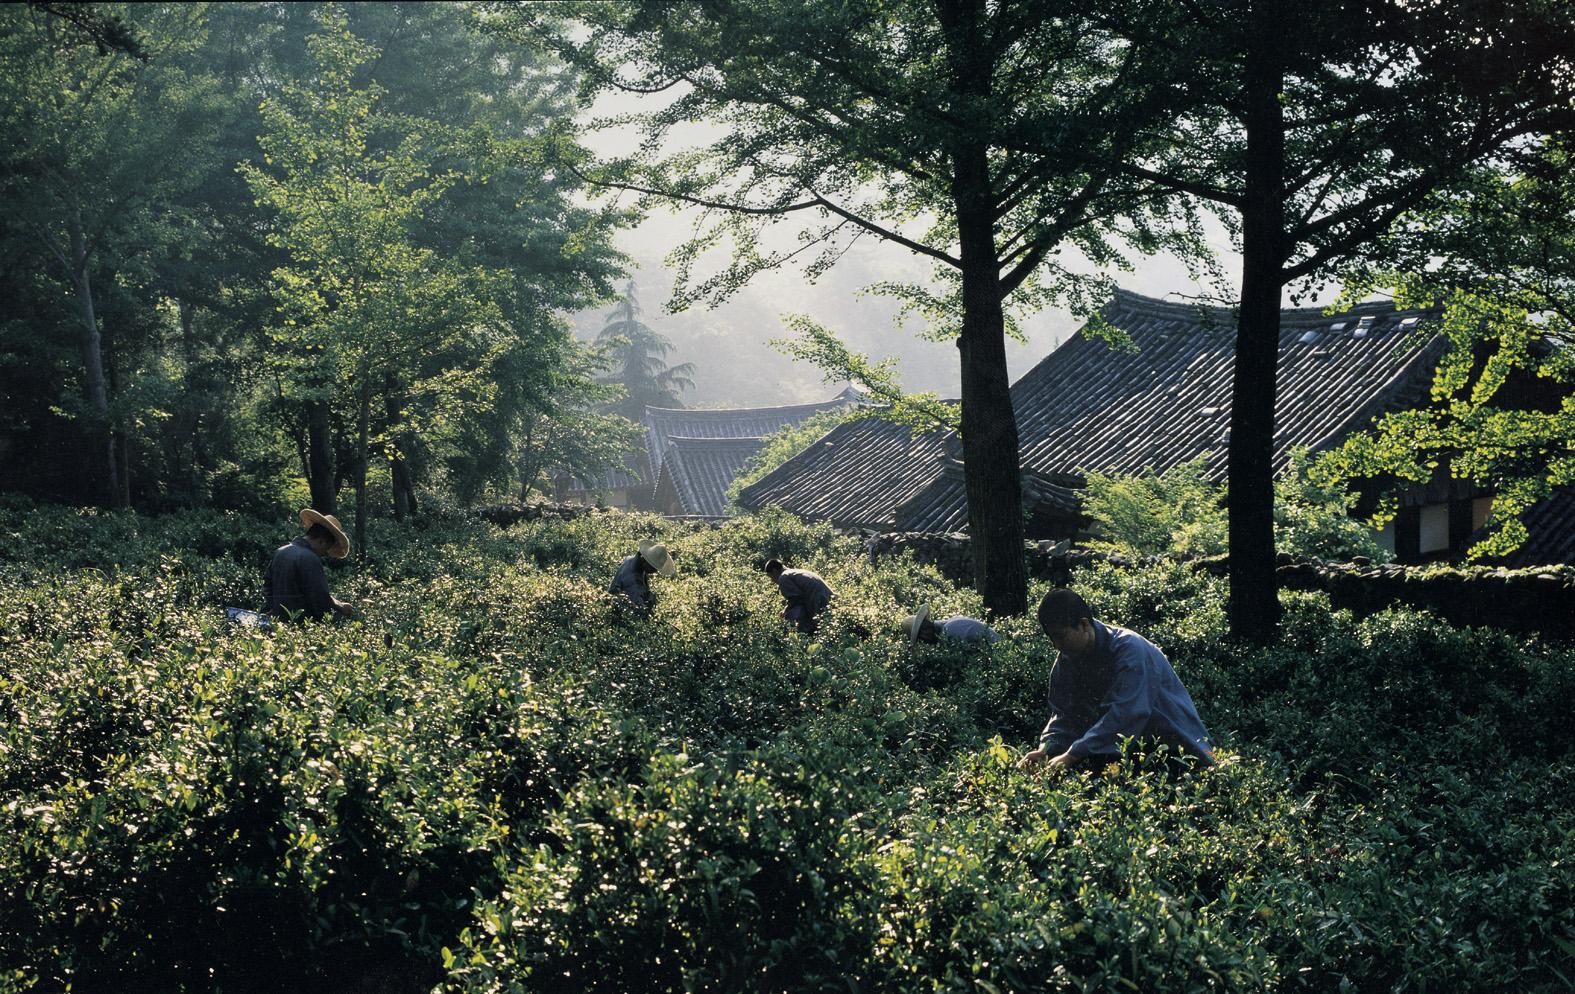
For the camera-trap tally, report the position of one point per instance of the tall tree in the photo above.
(1312, 128)
(366, 313)
(921, 122)
(639, 360)
(108, 131)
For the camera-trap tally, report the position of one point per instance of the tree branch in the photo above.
(1206, 191)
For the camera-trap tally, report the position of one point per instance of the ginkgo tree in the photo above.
(1497, 255)
(370, 323)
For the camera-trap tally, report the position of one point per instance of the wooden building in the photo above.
(1089, 406)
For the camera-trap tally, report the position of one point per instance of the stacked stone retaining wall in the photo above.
(508, 514)
(1539, 599)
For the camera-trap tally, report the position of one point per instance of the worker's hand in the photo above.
(345, 608)
(1031, 758)
(1065, 761)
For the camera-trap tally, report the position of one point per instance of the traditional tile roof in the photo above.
(1088, 406)
(696, 473)
(1551, 528)
(663, 423)
(641, 472)
(854, 476)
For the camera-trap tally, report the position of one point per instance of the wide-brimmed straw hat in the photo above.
(656, 555)
(916, 621)
(341, 546)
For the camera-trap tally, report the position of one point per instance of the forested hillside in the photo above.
(501, 780)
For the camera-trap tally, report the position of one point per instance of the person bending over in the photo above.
(959, 629)
(295, 587)
(633, 578)
(1109, 684)
(807, 595)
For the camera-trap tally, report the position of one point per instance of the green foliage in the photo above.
(1175, 512)
(422, 242)
(365, 310)
(567, 428)
(106, 144)
(1313, 517)
(821, 348)
(1497, 255)
(498, 780)
(1179, 512)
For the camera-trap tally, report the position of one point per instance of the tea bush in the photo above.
(501, 779)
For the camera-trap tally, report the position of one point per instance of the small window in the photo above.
(1434, 528)
(1337, 327)
(1408, 322)
(1479, 512)
(1386, 537)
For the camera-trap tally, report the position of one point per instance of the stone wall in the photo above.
(1539, 599)
(508, 514)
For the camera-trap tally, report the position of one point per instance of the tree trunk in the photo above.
(122, 446)
(191, 445)
(404, 490)
(320, 475)
(528, 467)
(991, 472)
(102, 464)
(363, 431)
(1254, 606)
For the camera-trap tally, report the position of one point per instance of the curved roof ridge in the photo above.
(1133, 302)
(713, 440)
(735, 412)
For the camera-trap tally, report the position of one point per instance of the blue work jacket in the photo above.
(1122, 687)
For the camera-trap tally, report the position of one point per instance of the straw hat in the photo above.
(916, 622)
(656, 555)
(341, 546)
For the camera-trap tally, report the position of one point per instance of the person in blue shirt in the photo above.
(1109, 684)
(958, 629)
(633, 578)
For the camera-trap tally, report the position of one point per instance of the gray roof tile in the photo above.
(699, 471)
(662, 423)
(854, 476)
(1551, 527)
(1087, 406)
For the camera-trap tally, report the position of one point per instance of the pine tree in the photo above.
(640, 360)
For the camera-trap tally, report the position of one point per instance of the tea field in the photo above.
(498, 779)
